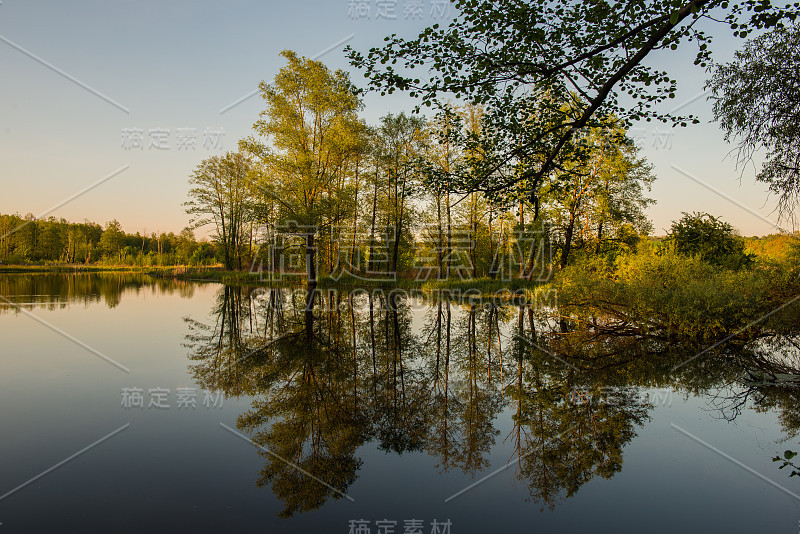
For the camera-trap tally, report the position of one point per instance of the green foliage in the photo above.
(670, 294)
(27, 240)
(756, 100)
(793, 255)
(710, 238)
(400, 197)
(773, 246)
(523, 60)
(400, 148)
(599, 196)
(111, 242)
(787, 462)
(305, 139)
(223, 187)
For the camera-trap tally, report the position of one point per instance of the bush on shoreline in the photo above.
(672, 294)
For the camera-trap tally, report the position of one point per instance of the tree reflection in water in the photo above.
(329, 373)
(53, 291)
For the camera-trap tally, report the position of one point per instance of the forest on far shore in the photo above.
(28, 241)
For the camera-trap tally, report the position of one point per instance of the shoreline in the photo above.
(479, 286)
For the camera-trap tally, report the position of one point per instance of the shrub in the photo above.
(668, 294)
(706, 236)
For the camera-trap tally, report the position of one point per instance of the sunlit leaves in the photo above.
(497, 53)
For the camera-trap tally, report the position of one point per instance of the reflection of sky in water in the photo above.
(179, 469)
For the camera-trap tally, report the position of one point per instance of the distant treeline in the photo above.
(30, 240)
(773, 245)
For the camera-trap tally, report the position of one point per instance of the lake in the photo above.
(132, 403)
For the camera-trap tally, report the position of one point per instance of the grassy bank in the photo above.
(71, 268)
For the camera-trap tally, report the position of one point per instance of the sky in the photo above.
(106, 107)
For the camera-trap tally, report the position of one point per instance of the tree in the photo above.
(757, 100)
(401, 137)
(600, 192)
(112, 240)
(619, 203)
(309, 135)
(221, 192)
(441, 159)
(522, 61)
(714, 240)
(52, 238)
(186, 245)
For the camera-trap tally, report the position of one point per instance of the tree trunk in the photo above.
(473, 241)
(522, 233)
(311, 268)
(448, 252)
(398, 228)
(372, 226)
(355, 221)
(567, 241)
(599, 236)
(492, 272)
(440, 243)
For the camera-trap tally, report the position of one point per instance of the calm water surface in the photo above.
(131, 404)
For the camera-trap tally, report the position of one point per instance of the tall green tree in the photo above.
(307, 140)
(442, 156)
(402, 141)
(599, 192)
(112, 240)
(223, 186)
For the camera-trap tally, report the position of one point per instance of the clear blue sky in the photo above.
(175, 65)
